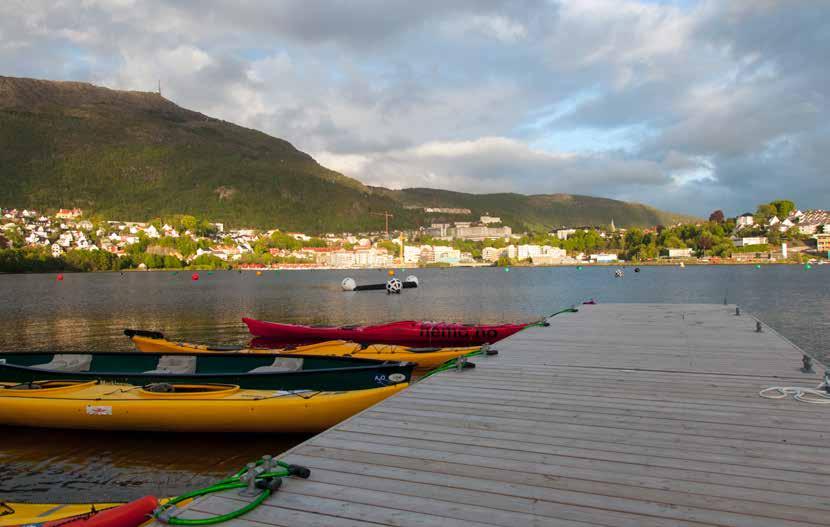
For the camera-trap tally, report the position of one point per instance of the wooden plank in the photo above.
(588, 448)
(587, 434)
(564, 477)
(753, 433)
(526, 498)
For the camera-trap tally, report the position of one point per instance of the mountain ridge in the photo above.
(132, 154)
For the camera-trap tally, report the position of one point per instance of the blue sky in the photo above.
(685, 105)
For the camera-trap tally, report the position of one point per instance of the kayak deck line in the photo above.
(620, 414)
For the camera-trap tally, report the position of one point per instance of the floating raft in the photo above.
(618, 415)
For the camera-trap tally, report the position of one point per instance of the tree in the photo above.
(765, 212)
(171, 262)
(717, 216)
(207, 261)
(783, 207)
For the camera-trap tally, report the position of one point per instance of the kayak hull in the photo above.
(424, 360)
(404, 333)
(247, 371)
(333, 348)
(96, 406)
(14, 514)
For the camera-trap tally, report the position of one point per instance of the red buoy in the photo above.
(195, 277)
(59, 278)
(130, 514)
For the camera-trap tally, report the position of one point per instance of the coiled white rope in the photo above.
(816, 395)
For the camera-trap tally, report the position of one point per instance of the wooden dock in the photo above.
(619, 415)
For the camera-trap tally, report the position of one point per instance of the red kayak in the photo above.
(405, 333)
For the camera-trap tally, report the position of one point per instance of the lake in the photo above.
(90, 311)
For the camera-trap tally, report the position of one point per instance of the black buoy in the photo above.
(636, 269)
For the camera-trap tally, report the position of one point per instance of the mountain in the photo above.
(136, 155)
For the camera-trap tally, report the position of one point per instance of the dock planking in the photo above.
(618, 415)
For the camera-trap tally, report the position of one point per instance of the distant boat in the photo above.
(619, 273)
(682, 264)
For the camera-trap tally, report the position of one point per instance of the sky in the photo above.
(689, 106)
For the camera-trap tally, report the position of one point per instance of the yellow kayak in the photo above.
(424, 358)
(13, 513)
(179, 407)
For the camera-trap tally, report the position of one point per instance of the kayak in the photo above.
(130, 514)
(180, 407)
(254, 371)
(155, 341)
(404, 333)
(14, 513)
(424, 358)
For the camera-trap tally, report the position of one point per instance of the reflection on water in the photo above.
(89, 311)
(79, 466)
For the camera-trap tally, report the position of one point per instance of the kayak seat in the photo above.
(68, 362)
(175, 364)
(281, 364)
(220, 347)
(424, 350)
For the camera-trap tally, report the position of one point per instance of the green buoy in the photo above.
(506, 269)
(578, 267)
(808, 267)
(757, 266)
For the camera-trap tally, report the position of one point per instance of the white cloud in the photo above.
(496, 164)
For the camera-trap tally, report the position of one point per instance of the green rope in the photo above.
(450, 364)
(233, 482)
(545, 319)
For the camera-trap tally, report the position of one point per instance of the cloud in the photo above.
(689, 106)
(494, 164)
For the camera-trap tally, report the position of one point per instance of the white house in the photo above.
(492, 254)
(749, 240)
(746, 220)
(57, 250)
(528, 251)
(445, 254)
(549, 256)
(813, 221)
(151, 231)
(679, 253)
(604, 258)
(411, 254)
(564, 234)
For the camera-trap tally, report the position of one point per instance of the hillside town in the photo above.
(777, 232)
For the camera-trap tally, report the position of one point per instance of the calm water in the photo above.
(89, 311)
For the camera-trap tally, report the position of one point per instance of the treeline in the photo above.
(40, 260)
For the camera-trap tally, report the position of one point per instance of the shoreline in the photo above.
(622, 265)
